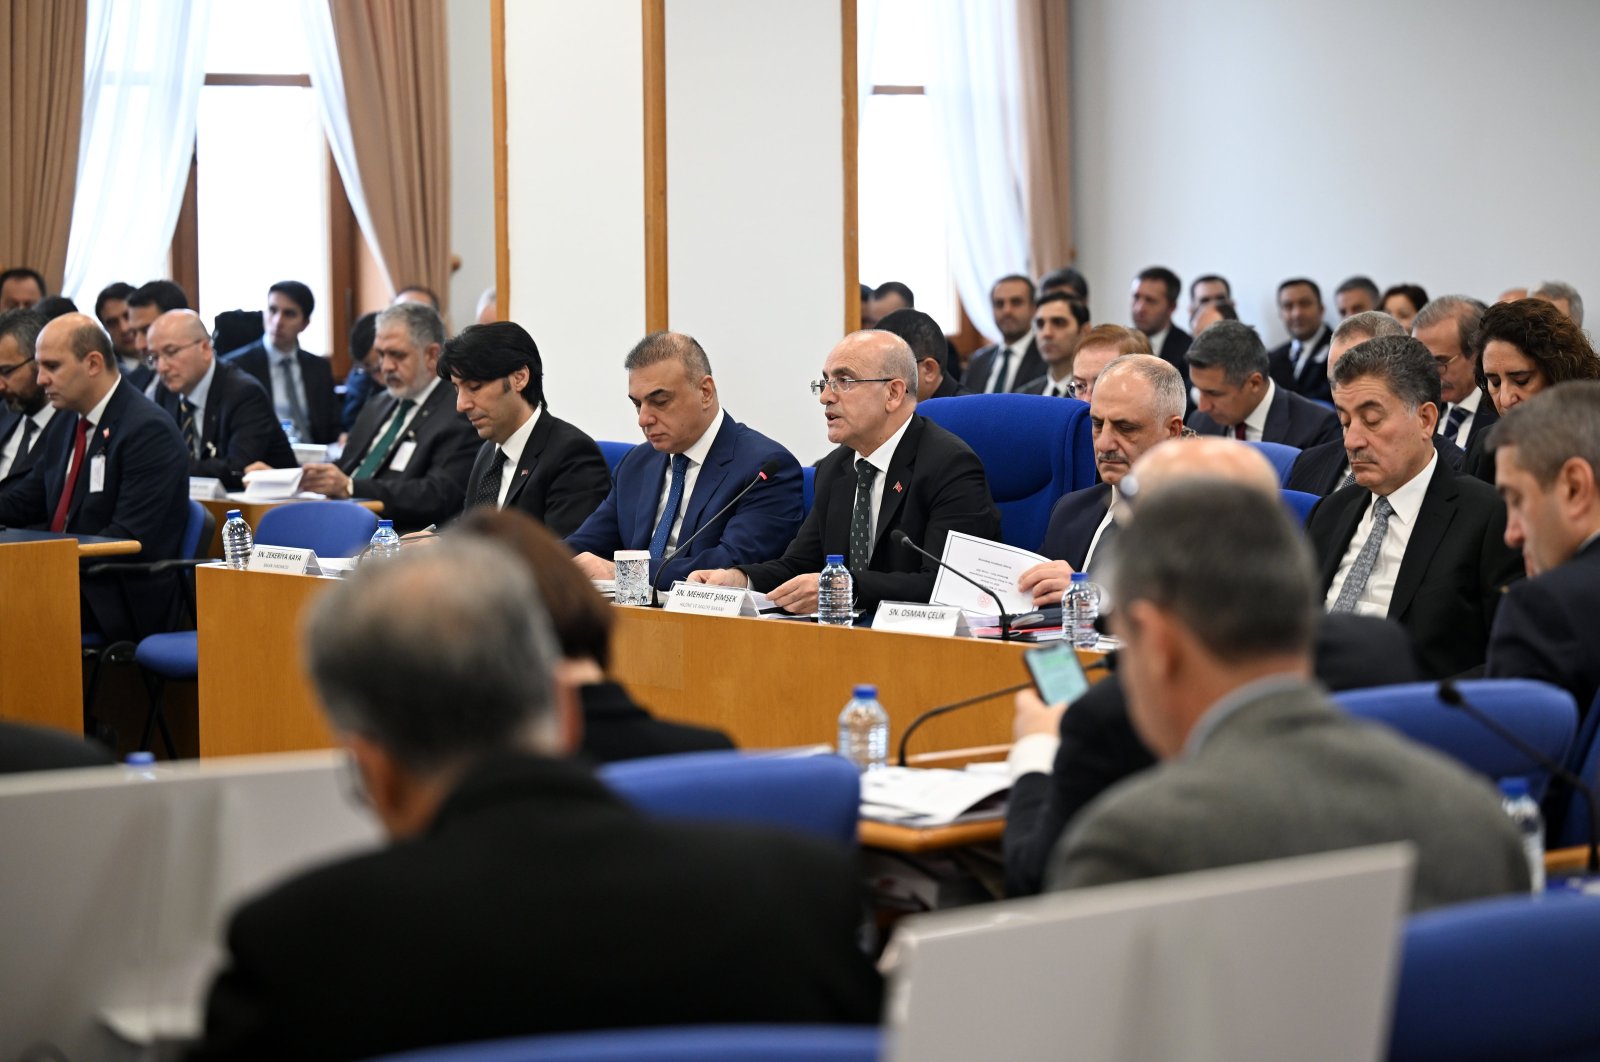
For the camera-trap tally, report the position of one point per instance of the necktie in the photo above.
(861, 516)
(669, 515)
(997, 380)
(186, 425)
(488, 492)
(58, 522)
(1355, 581)
(1348, 480)
(380, 450)
(1452, 423)
(291, 393)
(1238, 431)
(1298, 352)
(28, 428)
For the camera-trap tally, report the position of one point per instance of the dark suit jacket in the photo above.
(316, 377)
(949, 387)
(561, 477)
(60, 424)
(615, 728)
(239, 427)
(1320, 469)
(977, 378)
(1455, 569)
(1479, 461)
(1546, 628)
(759, 526)
(1099, 746)
(1175, 352)
(1313, 379)
(43, 748)
(1291, 420)
(935, 484)
(430, 489)
(537, 902)
(1073, 522)
(1035, 386)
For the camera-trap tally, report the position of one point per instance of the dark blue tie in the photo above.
(1452, 423)
(658, 541)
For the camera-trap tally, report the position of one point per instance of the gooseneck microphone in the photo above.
(766, 472)
(943, 708)
(1451, 695)
(900, 538)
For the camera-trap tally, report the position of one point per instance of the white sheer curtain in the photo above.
(866, 48)
(974, 87)
(144, 66)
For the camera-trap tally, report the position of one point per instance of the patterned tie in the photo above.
(861, 516)
(488, 492)
(186, 425)
(380, 450)
(1355, 581)
(1452, 423)
(291, 393)
(1348, 480)
(997, 381)
(58, 522)
(658, 541)
(1298, 352)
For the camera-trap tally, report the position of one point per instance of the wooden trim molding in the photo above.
(502, 221)
(258, 80)
(851, 116)
(655, 164)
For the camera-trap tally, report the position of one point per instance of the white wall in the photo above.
(471, 156)
(1450, 143)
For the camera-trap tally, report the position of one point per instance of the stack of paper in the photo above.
(993, 565)
(271, 484)
(918, 797)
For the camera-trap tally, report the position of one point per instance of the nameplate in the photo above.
(711, 600)
(284, 559)
(205, 488)
(910, 618)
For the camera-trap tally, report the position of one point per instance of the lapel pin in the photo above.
(897, 487)
(105, 433)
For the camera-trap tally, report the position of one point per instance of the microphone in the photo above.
(900, 538)
(1449, 694)
(932, 713)
(766, 472)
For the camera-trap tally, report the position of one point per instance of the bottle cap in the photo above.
(385, 523)
(1080, 577)
(141, 759)
(232, 513)
(866, 693)
(835, 558)
(1514, 787)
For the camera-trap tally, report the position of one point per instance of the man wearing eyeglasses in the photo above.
(1448, 327)
(893, 470)
(26, 419)
(224, 415)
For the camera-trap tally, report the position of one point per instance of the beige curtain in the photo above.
(393, 58)
(1045, 50)
(41, 111)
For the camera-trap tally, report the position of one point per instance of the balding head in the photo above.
(869, 389)
(76, 366)
(1209, 457)
(181, 349)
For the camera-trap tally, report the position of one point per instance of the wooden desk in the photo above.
(40, 633)
(252, 513)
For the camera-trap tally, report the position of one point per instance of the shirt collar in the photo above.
(1406, 501)
(197, 397)
(41, 419)
(1470, 403)
(1158, 340)
(1021, 345)
(518, 441)
(881, 457)
(422, 396)
(1234, 700)
(1310, 344)
(279, 355)
(1257, 420)
(95, 415)
(702, 446)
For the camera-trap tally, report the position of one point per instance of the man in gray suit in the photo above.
(1259, 764)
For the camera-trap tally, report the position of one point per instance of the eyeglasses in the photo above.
(7, 370)
(1073, 388)
(841, 384)
(1444, 363)
(154, 356)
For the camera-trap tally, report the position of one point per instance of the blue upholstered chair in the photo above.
(1584, 761)
(808, 486)
(1282, 457)
(1300, 503)
(1034, 450)
(327, 528)
(688, 1043)
(613, 452)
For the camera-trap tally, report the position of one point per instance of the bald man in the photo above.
(223, 413)
(1063, 759)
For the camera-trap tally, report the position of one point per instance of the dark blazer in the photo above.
(561, 477)
(239, 427)
(430, 489)
(976, 379)
(1483, 418)
(1035, 386)
(43, 748)
(141, 376)
(537, 902)
(1479, 461)
(358, 387)
(935, 484)
(1099, 746)
(1320, 469)
(316, 377)
(949, 387)
(1546, 628)
(1455, 569)
(1175, 352)
(1073, 522)
(759, 526)
(60, 424)
(1313, 379)
(1291, 420)
(615, 728)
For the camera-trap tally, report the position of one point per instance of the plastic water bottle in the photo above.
(385, 543)
(1080, 607)
(864, 730)
(289, 432)
(141, 767)
(836, 591)
(237, 541)
(1524, 811)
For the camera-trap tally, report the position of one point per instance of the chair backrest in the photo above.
(1300, 503)
(814, 794)
(688, 1043)
(329, 528)
(808, 486)
(1281, 455)
(1584, 761)
(613, 452)
(197, 531)
(1034, 450)
(1542, 715)
(1500, 980)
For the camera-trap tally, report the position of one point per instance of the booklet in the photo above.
(994, 565)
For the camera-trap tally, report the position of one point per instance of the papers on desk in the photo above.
(994, 565)
(270, 484)
(206, 488)
(914, 796)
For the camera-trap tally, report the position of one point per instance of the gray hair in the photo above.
(24, 326)
(1401, 362)
(898, 362)
(1166, 384)
(1180, 552)
(421, 322)
(1556, 289)
(662, 346)
(1234, 347)
(440, 656)
(1554, 426)
(1467, 312)
(1369, 324)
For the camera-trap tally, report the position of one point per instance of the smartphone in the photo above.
(1057, 674)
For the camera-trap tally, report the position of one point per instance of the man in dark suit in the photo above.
(520, 895)
(1299, 365)
(300, 383)
(1448, 327)
(1410, 539)
(1237, 396)
(694, 463)
(362, 382)
(1058, 324)
(929, 346)
(223, 414)
(121, 472)
(111, 310)
(410, 449)
(1547, 458)
(892, 470)
(529, 459)
(1014, 361)
(27, 417)
(144, 304)
(1154, 301)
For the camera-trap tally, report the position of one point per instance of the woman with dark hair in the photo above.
(1528, 345)
(1402, 303)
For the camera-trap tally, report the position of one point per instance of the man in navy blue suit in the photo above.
(694, 460)
(300, 383)
(1228, 365)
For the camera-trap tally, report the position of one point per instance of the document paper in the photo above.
(995, 565)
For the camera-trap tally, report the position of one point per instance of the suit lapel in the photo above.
(709, 480)
(1276, 425)
(897, 480)
(1433, 521)
(538, 439)
(841, 500)
(1341, 530)
(382, 406)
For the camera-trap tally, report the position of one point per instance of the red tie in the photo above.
(1238, 431)
(58, 522)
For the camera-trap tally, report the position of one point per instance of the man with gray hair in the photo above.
(1237, 395)
(1258, 763)
(519, 895)
(1410, 539)
(893, 471)
(1562, 296)
(409, 448)
(1448, 327)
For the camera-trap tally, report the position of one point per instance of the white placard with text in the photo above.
(284, 559)
(908, 617)
(711, 600)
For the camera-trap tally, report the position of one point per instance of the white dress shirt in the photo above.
(1300, 353)
(697, 457)
(1407, 504)
(513, 448)
(999, 381)
(1470, 404)
(197, 399)
(1256, 423)
(405, 425)
(13, 447)
(1105, 522)
(1159, 340)
(880, 459)
(1056, 388)
(280, 398)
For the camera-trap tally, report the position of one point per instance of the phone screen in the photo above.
(1056, 672)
